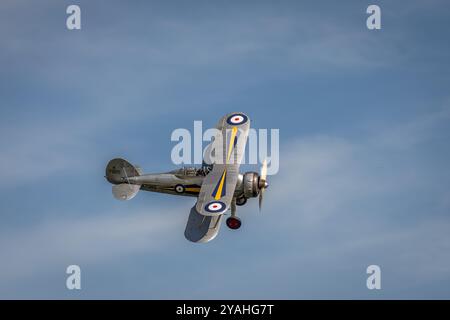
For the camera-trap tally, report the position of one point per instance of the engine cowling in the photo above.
(250, 184)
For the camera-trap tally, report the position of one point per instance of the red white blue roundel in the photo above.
(215, 206)
(237, 119)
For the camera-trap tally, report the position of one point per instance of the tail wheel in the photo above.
(241, 201)
(234, 223)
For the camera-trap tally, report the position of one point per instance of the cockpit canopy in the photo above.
(191, 171)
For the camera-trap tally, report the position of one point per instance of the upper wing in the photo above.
(218, 186)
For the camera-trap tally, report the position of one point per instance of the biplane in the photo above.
(217, 184)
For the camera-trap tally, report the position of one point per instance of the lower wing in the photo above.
(202, 228)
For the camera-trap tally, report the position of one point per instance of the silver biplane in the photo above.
(218, 185)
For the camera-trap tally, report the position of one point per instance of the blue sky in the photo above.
(364, 130)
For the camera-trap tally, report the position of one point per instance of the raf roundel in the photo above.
(179, 188)
(215, 206)
(237, 119)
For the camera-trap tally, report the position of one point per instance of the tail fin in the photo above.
(118, 171)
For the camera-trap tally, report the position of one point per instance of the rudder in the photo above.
(119, 170)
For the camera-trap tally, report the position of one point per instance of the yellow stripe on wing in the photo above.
(219, 190)
(230, 147)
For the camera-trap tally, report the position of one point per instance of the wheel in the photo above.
(234, 223)
(241, 201)
(179, 188)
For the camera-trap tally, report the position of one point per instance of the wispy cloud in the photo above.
(340, 201)
(176, 49)
(102, 237)
(325, 208)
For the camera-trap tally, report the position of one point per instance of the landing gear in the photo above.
(241, 201)
(233, 223)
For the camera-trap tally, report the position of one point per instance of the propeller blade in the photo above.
(262, 182)
(261, 198)
(263, 174)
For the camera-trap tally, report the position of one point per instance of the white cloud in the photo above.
(335, 198)
(113, 72)
(344, 199)
(331, 206)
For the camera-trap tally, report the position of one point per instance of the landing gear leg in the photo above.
(233, 222)
(233, 207)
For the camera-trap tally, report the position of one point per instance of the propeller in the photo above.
(262, 184)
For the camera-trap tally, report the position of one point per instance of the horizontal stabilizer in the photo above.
(125, 191)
